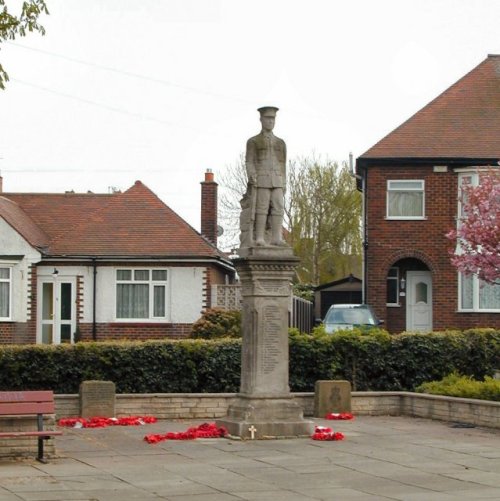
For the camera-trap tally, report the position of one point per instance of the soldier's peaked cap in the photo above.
(271, 110)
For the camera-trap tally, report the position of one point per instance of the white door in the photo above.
(57, 319)
(419, 301)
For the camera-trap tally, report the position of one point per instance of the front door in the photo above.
(419, 301)
(57, 320)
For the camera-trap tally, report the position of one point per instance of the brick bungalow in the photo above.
(410, 182)
(104, 266)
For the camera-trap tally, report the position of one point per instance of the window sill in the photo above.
(393, 305)
(393, 218)
(142, 321)
(479, 311)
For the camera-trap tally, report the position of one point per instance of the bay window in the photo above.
(474, 294)
(141, 293)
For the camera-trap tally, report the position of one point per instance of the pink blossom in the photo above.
(478, 232)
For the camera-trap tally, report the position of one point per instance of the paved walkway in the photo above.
(381, 458)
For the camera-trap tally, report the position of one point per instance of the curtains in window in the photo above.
(406, 204)
(4, 292)
(4, 300)
(487, 295)
(132, 301)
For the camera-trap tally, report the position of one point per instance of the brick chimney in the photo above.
(209, 207)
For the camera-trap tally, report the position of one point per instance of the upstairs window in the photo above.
(5, 293)
(405, 199)
(141, 294)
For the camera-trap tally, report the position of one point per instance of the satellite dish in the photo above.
(220, 230)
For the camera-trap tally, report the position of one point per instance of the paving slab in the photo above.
(381, 458)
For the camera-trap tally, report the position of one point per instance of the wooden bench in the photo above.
(25, 403)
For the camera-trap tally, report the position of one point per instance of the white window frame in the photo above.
(473, 174)
(419, 187)
(8, 280)
(152, 284)
(476, 292)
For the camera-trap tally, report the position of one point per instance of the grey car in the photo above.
(348, 316)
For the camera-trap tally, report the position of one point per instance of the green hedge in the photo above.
(455, 385)
(371, 361)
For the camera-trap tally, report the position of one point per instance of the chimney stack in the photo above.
(209, 207)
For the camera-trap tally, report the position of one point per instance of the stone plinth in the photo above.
(97, 398)
(331, 396)
(265, 404)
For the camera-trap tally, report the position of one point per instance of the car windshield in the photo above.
(350, 316)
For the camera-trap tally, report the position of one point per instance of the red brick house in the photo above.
(410, 182)
(104, 266)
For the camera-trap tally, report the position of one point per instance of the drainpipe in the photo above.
(361, 177)
(365, 236)
(94, 295)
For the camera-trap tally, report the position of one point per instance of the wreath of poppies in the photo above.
(101, 422)
(327, 434)
(342, 416)
(205, 430)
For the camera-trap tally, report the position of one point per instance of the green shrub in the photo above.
(217, 323)
(371, 360)
(455, 385)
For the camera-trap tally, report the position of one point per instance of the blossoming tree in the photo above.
(478, 229)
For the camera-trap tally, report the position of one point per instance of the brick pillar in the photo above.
(209, 207)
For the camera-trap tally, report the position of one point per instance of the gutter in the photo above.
(139, 259)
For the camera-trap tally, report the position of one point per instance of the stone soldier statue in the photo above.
(263, 204)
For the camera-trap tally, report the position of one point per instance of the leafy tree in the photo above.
(324, 219)
(233, 182)
(12, 26)
(478, 231)
(322, 216)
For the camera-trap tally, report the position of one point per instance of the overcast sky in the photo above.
(161, 90)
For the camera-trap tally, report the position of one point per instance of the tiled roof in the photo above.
(463, 122)
(135, 223)
(23, 224)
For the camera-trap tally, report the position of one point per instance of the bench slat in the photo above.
(48, 433)
(26, 408)
(26, 396)
(5, 434)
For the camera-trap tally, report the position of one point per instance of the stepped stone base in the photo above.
(266, 417)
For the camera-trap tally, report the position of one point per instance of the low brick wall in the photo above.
(214, 405)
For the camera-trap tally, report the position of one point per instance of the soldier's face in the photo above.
(267, 122)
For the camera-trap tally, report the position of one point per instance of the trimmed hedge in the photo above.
(371, 360)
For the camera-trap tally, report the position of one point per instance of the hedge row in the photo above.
(371, 361)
